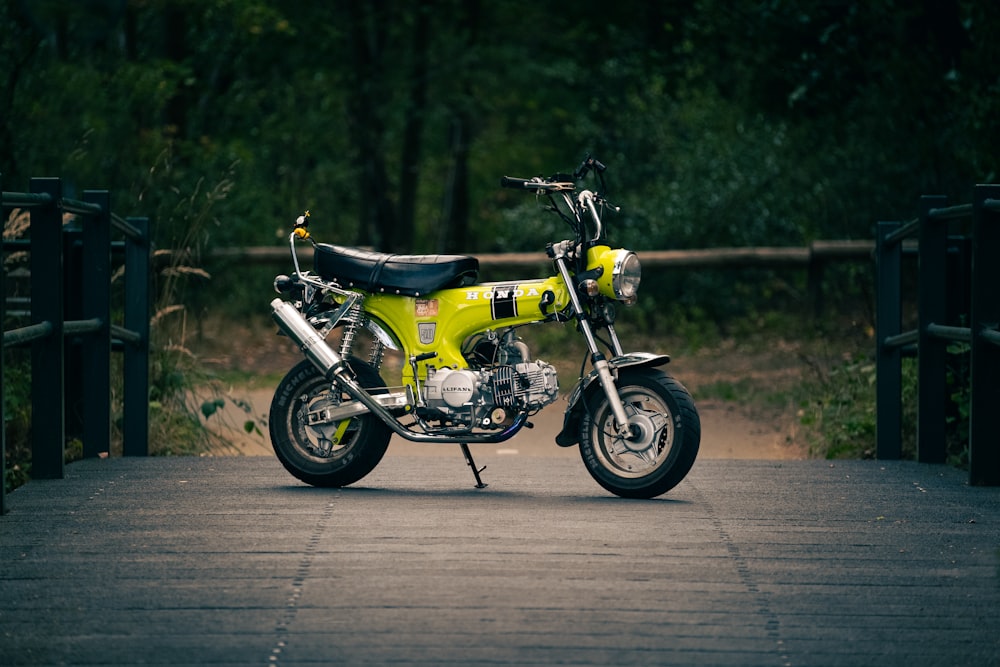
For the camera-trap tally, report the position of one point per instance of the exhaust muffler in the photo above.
(292, 323)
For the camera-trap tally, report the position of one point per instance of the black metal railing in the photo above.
(71, 333)
(939, 297)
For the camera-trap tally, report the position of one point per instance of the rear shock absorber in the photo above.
(377, 354)
(353, 320)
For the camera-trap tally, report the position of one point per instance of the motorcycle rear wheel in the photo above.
(666, 435)
(326, 455)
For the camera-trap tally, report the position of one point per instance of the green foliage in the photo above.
(724, 124)
(17, 414)
(838, 408)
(181, 388)
(727, 390)
(958, 379)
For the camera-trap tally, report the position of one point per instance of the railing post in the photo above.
(931, 351)
(135, 397)
(96, 304)
(814, 283)
(73, 376)
(984, 409)
(3, 413)
(888, 360)
(47, 407)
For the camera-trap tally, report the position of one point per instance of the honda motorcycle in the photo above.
(464, 374)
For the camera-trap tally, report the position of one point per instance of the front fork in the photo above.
(601, 365)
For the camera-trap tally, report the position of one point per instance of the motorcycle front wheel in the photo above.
(313, 449)
(665, 433)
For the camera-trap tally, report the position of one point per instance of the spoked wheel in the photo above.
(314, 449)
(663, 440)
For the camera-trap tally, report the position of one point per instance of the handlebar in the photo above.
(558, 182)
(589, 163)
(575, 212)
(536, 184)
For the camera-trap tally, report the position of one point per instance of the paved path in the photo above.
(228, 561)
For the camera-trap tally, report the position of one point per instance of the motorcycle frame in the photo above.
(433, 328)
(412, 323)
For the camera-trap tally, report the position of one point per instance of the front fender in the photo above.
(570, 434)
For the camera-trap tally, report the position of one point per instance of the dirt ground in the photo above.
(731, 429)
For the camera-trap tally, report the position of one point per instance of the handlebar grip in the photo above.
(518, 183)
(537, 184)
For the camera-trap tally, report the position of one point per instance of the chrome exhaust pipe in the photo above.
(327, 360)
(292, 323)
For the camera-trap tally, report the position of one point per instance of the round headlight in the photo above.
(626, 275)
(618, 272)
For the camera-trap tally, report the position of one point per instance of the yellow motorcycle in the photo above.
(463, 374)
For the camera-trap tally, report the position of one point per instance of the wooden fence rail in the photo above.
(813, 258)
(769, 257)
(70, 331)
(934, 333)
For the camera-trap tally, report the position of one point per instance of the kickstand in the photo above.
(472, 464)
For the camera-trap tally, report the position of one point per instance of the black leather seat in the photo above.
(410, 275)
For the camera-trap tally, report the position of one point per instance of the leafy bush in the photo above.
(838, 409)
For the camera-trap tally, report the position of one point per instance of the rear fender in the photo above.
(586, 386)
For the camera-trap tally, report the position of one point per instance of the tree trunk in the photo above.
(401, 238)
(17, 53)
(367, 129)
(175, 46)
(455, 214)
(454, 230)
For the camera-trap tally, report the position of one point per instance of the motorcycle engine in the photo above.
(491, 397)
